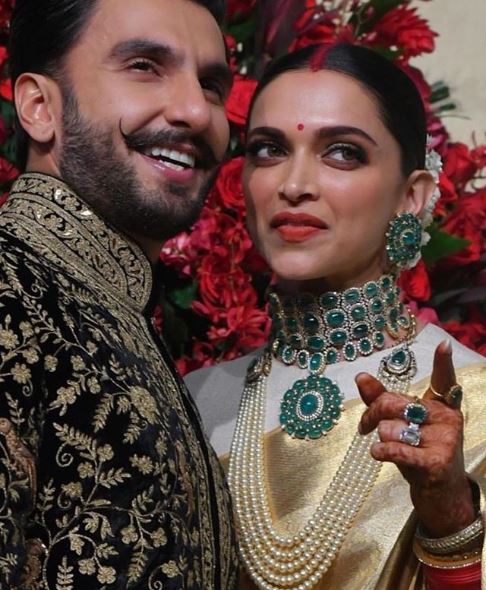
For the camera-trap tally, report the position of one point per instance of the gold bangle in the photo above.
(461, 541)
(450, 562)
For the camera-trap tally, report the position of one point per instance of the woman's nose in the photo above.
(298, 186)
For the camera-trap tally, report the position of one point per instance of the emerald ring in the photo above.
(415, 413)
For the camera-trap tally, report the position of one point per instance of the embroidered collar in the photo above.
(45, 213)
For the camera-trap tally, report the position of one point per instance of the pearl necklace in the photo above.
(298, 562)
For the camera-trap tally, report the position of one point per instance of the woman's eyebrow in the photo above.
(272, 132)
(340, 130)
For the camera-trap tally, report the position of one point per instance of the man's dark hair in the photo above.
(43, 32)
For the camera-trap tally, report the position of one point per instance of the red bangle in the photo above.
(462, 578)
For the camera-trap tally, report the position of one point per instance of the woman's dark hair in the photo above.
(42, 32)
(400, 104)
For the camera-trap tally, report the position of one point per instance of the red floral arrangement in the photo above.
(214, 304)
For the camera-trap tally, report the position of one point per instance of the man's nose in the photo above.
(188, 106)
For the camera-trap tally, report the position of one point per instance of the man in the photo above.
(106, 478)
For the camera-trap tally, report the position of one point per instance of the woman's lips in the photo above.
(297, 227)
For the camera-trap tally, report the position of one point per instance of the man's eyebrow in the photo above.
(335, 131)
(162, 52)
(146, 47)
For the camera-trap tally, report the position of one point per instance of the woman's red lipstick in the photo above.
(297, 227)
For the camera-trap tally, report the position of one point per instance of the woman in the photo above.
(338, 191)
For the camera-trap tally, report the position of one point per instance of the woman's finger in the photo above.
(369, 387)
(443, 376)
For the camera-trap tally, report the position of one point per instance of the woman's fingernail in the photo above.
(448, 346)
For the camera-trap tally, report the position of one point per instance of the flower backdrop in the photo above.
(214, 302)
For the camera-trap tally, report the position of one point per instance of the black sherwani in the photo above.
(106, 478)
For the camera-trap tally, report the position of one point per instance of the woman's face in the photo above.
(322, 180)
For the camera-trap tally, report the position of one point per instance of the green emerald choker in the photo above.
(315, 331)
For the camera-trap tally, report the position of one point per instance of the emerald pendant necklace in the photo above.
(313, 332)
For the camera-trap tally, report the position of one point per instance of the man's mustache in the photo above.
(141, 139)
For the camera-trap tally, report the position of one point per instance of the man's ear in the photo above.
(419, 191)
(38, 106)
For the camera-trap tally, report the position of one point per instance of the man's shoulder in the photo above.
(20, 267)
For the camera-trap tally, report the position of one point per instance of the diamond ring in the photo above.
(411, 435)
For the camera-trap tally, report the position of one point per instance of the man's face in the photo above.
(144, 125)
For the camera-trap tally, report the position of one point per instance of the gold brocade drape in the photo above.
(377, 553)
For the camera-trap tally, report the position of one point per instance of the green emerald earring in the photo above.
(404, 240)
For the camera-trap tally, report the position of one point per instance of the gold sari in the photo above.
(377, 553)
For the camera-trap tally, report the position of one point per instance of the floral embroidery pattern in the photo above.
(128, 493)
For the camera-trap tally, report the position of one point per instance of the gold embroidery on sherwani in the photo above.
(129, 487)
(22, 460)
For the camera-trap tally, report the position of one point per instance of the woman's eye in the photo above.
(346, 153)
(264, 151)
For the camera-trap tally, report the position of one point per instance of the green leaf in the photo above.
(184, 296)
(441, 245)
(243, 31)
(387, 52)
(440, 91)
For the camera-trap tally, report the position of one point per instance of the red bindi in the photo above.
(301, 127)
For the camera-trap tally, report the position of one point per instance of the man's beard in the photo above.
(92, 167)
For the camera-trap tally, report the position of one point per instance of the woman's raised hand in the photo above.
(432, 460)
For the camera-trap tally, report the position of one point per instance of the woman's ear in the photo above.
(420, 189)
(37, 104)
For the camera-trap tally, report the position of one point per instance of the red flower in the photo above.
(246, 324)
(4, 132)
(478, 154)
(320, 31)
(239, 9)
(415, 283)
(231, 45)
(238, 103)
(448, 196)
(8, 172)
(425, 315)
(401, 27)
(203, 355)
(6, 91)
(472, 333)
(6, 7)
(228, 189)
(179, 254)
(467, 221)
(320, 28)
(459, 165)
(418, 79)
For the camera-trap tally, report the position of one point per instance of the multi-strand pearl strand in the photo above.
(298, 562)
(294, 562)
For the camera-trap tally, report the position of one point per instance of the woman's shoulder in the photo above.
(219, 377)
(217, 392)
